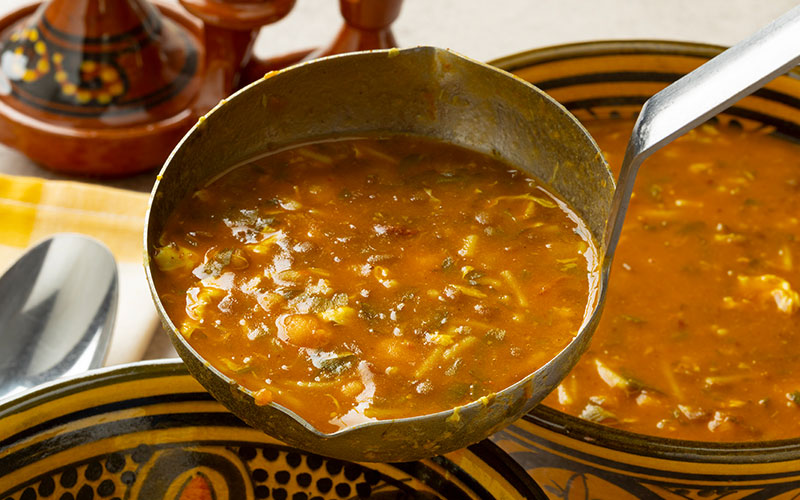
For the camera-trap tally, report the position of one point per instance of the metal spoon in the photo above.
(437, 94)
(57, 307)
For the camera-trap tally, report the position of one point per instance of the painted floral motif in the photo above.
(28, 59)
(198, 472)
(599, 474)
(74, 75)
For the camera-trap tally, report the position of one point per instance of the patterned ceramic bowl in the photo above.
(149, 431)
(571, 458)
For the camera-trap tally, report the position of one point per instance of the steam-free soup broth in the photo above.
(375, 279)
(700, 333)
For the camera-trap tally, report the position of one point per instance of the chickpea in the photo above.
(304, 330)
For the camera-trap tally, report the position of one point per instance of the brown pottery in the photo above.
(108, 87)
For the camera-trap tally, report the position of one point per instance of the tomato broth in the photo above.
(370, 279)
(699, 335)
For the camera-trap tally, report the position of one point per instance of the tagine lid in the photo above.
(98, 87)
(88, 70)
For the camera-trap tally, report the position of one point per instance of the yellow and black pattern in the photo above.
(149, 431)
(30, 59)
(76, 76)
(622, 466)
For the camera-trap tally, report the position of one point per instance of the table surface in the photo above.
(485, 31)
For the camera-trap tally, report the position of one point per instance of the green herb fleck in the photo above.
(497, 334)
(368, 312)
(633, 319)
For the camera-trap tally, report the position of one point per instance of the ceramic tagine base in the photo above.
(108, 88)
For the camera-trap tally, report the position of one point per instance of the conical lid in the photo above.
(91, 62)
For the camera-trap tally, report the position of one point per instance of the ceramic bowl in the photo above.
(149, 431)
(572, 458)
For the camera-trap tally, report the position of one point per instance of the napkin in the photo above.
(31, 209)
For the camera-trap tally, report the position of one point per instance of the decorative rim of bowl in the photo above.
(485, 451)
(582, 50)
(745, 452)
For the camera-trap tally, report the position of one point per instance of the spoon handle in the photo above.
(698, 96)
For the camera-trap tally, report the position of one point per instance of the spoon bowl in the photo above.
(57, 307)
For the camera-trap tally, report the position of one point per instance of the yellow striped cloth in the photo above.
(32, 209)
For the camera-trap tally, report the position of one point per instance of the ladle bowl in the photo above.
(427, 92)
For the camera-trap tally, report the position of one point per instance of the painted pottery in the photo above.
(107, 88)
(572, 458)
(106, 97)
(149, 431)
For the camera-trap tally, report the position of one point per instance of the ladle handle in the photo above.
(698, 96)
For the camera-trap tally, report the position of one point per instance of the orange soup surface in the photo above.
(375, 279)
(699, 336)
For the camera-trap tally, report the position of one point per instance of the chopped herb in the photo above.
(692, 227)
(368, 312)
(620, 380)
(457, 391)
(437, 319)
(497, 334)
(794, 397)
(655, 192)
(214, 266)
(680, 334)
(274, 201)
(473, 276)
(447, 263)
(289, 293)
(333, 365)
(311, 303)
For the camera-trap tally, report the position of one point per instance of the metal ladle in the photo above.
(437, 94)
